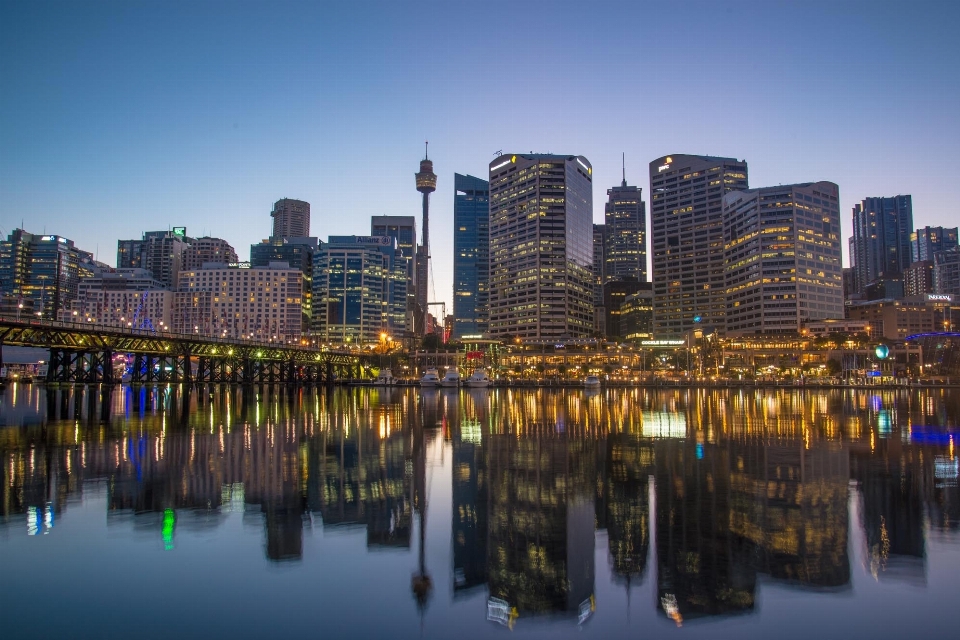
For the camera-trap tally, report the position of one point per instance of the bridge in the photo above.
(82, 353)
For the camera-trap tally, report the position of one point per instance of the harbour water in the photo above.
(403, 513)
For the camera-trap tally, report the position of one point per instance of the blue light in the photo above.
(697, 318)
(699, 451)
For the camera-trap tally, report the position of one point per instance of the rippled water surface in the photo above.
(365, 513)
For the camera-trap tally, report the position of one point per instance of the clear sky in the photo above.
(123, 117)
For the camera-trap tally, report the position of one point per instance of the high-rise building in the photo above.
(927, 241)
(918, 278)
(615, 293)
(541, 254)
(636, 314)
(403, 229)
(597, 280)
(43, 270)
(782, 256)
(234, 301)
(946, 272)
(625, 218)
(291, 218)
(881, 239)
(296, 252)
(426, 184)
(207, 249)
(686, 195)
(471, 255)
(160, 252)
(359, 290)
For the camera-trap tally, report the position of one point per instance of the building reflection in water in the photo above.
(746, 484)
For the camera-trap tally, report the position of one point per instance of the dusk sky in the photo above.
(123, 117)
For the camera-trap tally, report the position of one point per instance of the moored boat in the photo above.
(451, 378)
(591, 382)
(430, 379)
(478, 379)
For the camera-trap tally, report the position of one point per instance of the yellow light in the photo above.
(669, 159)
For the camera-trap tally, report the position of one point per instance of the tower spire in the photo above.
(426, 149)
(623, 164)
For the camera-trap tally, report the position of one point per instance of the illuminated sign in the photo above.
(666, 164)
(180, 232)
(940, 297)
(475, 336)
(501, 165)
(378, 240)
(589, 170)
(662, 343)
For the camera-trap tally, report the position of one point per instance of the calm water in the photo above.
(405, 514)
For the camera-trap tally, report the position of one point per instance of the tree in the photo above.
(431, 342)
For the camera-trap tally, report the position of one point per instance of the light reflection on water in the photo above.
(415, 513)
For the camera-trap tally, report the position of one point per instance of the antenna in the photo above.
(623, 164)
(426, 148)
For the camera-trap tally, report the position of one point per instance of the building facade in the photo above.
(123, 298)
(783, 258)
(541, 254)
(899, 319)
(636, 314)
(929, 240)
(946, 272)
(240, 301)
(291, 218)
(625, 223)
(918, 278)
(471, 255)
(880, 249)
(207, 249)
(360, 290)
(41, 271)
(298, 253)
(687, 239)
(160, 252)
(403, 229)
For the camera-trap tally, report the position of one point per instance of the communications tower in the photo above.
(426, 184)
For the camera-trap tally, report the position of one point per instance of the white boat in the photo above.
(478, 379)
(430, 379)
(451, 378)
(591, 382)
(385, 378)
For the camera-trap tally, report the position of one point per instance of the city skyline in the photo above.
(160, 116)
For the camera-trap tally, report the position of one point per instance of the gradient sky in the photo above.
(123, 117)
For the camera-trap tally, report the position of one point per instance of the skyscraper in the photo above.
(426, 184)
(296, 252)
(359, 290)
(159, 252)
(929, 240)
(625, 218)
(782, 255)
(471, 255)
(43, 269)
(541, 253)
(403, 229)
(881, 240)
(685, 212)
(291, 218)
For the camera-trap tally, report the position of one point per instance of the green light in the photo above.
(169, 523)
(882, 351)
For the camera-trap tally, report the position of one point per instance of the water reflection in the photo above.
(707, 493)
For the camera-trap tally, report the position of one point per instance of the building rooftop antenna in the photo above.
(623, 164)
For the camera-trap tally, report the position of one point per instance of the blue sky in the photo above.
(123, 117)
